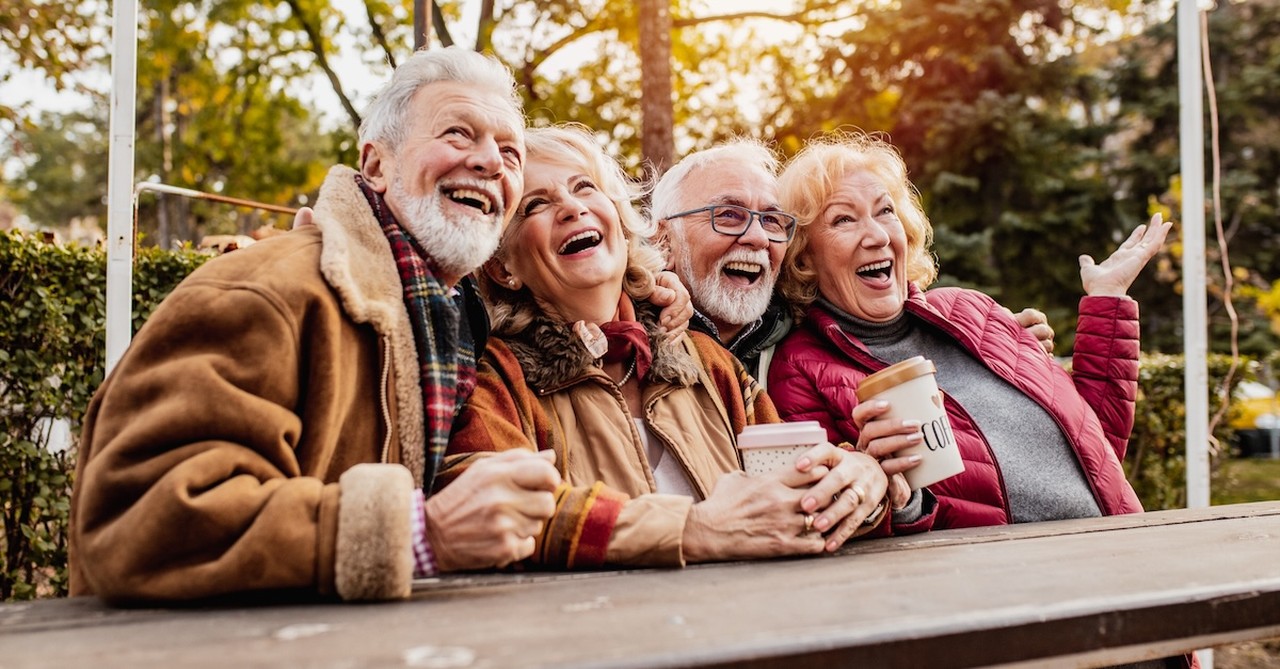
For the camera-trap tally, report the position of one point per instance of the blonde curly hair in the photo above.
(572, 144)
(808, 183)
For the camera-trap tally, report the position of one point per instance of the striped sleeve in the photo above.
(577, 536)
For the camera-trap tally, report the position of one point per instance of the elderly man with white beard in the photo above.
(724, 232)
(706, 208)
(273, 425)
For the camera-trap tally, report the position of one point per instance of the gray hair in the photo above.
(741, 151)
(385, 119)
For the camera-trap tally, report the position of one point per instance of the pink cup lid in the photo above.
(782, 434)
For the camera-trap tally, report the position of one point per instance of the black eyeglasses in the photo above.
(734, 221)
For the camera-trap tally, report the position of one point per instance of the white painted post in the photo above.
(1193, 263)
(1194, 319)
(120, 235)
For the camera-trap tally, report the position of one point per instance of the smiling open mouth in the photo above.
(745, 270)
(580, 242)
(876, 270)
(471, 198)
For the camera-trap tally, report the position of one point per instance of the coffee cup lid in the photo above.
(782, 434)
(893, 375)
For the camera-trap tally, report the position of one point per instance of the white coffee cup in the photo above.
(767, 448)
(912, 392)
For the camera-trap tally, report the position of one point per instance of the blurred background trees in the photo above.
(1035, 130)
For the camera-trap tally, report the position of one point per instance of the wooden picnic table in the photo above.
(1072, 593)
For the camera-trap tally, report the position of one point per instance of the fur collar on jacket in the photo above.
(356, 262)
(551, 354)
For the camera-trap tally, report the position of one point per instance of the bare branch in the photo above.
(378, 35)
(802, 16)
(595, 24)
(437, 22)
(317, 48)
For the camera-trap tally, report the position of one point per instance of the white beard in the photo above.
(718, 300)
(457, 246)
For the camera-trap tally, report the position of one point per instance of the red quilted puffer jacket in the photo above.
(818, 366)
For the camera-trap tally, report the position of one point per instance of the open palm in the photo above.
(1114, 276)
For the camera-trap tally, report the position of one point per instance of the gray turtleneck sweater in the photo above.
(1042, 476)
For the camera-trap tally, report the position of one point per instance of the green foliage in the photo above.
(1243, 39)
(217, 114)
(52, 310)
(56, 37)
(65, 175)
(1156, 462)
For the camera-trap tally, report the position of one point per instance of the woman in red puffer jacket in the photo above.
(1037, 443)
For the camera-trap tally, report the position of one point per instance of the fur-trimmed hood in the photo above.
(551, 353)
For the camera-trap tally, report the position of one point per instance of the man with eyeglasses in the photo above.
(725, 234)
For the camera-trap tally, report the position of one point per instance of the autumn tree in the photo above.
(1246, 71)
(64, 176)
(57, 38)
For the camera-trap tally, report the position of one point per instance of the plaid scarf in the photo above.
(446, 353)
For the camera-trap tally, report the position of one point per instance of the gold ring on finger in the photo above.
(808, 523)
(858, 495)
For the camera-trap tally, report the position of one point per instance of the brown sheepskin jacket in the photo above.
(541, 391)
(264, 429)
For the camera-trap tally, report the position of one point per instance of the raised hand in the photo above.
(1114, 276)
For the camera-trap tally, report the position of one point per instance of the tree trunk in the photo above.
(657, 137)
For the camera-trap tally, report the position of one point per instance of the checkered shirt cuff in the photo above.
(424, 559)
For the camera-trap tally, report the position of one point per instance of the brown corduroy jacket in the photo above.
(264, 429)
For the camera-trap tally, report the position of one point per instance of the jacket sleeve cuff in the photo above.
(923, 522)
(650, 532)
(374, 550)
(1111, 307)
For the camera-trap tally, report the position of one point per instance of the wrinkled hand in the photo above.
(752, 517)
(1035, 322)
(673, 297)
(847, 495)
(1114, 276)
(303, 217)
(490, 515)
(884, 439)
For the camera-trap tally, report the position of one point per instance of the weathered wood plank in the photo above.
(1099, 591)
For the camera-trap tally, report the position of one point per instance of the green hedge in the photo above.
(52, 306)
(1155, 463)
(51, 344)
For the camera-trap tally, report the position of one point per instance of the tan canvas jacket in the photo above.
(543, 392)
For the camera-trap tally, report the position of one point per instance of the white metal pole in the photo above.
(1195, 328)
(120, 236)
(1194, 320)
